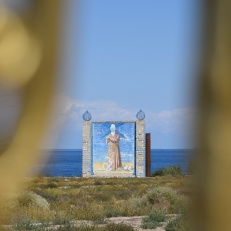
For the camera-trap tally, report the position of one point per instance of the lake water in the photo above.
(69, 162)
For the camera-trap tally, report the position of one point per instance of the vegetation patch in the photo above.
(29, 225)
(174, 170)
(29, 198)
(181, 223)
(153, 220)
(95, 199)
(167, 199)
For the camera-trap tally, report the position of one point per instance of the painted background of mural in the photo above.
(100, 131)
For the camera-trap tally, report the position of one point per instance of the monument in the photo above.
(114, 148)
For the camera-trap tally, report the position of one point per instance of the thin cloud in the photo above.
(179, 121)
(69, 115)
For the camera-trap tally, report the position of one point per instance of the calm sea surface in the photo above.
(69, 162)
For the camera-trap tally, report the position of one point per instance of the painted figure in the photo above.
(114, 156)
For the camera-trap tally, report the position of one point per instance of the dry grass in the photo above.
(96, 198)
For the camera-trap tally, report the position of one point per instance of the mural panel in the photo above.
(113, 148)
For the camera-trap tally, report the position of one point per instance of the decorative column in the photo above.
(140, 145)
(86, 146)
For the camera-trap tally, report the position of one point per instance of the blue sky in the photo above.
(120, 56)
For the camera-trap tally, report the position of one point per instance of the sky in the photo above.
(120, 56)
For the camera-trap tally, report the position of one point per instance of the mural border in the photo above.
(140, 149)
(92, 158)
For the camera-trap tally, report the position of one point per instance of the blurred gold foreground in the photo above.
(28, 54)
(214, 207)
(28, 46)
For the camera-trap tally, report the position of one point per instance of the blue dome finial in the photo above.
(140, 115)
(87, 116)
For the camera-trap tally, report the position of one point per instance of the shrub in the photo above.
(32, 213)
(181, 223)
(153, 220)
(167, 197)
(28, 198)
(24, 225)
(132, 207)
(112, 213)
(168, 170)
(156, 216)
